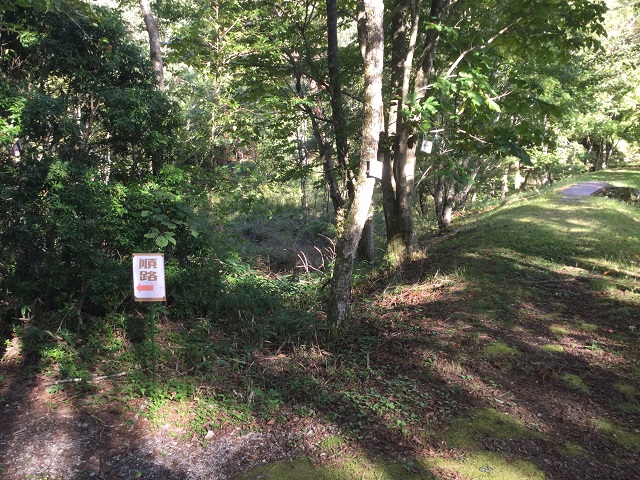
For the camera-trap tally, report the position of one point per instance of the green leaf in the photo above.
(162, 241)
(493, 105)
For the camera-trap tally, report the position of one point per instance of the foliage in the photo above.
(222, 173)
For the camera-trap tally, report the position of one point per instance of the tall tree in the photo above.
(155, 49)
(399, 163)
(371, 37)
(478, 34)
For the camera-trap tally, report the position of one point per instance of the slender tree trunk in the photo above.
(402, 59)
(424, 205)
(401, 167)
(371, 34)
(324, 147)
(505, 183)
(517, 177)
(525, 181)
(366, 247)
(154, 43)
(302, 162)
(445, 200)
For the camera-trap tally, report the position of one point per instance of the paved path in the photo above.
(584, 189)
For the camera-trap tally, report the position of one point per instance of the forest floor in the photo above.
(504, 352)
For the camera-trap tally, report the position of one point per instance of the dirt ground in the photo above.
(67, 435)
(50, 438)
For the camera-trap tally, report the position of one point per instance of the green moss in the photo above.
(588, 327)
(476, 465)
(551, 348)
(348, 469)
(559, 330)
(571, 450)
(490, 465)
(630, 407)
(625, 389)
(332, 444)
(498, 351)
(619, 435)
(485, 423)
(574, 382)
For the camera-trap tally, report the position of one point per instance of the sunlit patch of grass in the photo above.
(554, 317)
(571, 450)
(625, 389)
(492, 466)
(333, 444)
(587, 327)
(559, 330)
(574, 382)
(616, 433)
(603, 285)
(485, 423)
(498, 351)
(347, 469)
(552, 348)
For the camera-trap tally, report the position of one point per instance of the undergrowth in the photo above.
(468, 351)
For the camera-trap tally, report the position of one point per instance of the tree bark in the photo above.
(154, 43)
(399, 188)
(505, 182)
(444, 201)
(370, 27)
(366, 247)
(518, 180)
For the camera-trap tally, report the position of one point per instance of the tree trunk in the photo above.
(505, 183)
(324, 147)
(398, 188)
(445, 200)
(393, 181)
(371, 34)
(366, 247)
(517, 178)
(154, 43)
(302, 162)
(424, 205)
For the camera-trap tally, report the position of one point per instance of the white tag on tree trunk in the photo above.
(427, 146)
(374, 169)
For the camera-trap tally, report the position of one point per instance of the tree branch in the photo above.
(479, 47)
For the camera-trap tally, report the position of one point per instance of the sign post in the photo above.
(148, 277)
(149, 286)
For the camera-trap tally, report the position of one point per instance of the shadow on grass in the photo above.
(510, 291)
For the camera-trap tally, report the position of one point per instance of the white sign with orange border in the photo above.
(148, 277)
